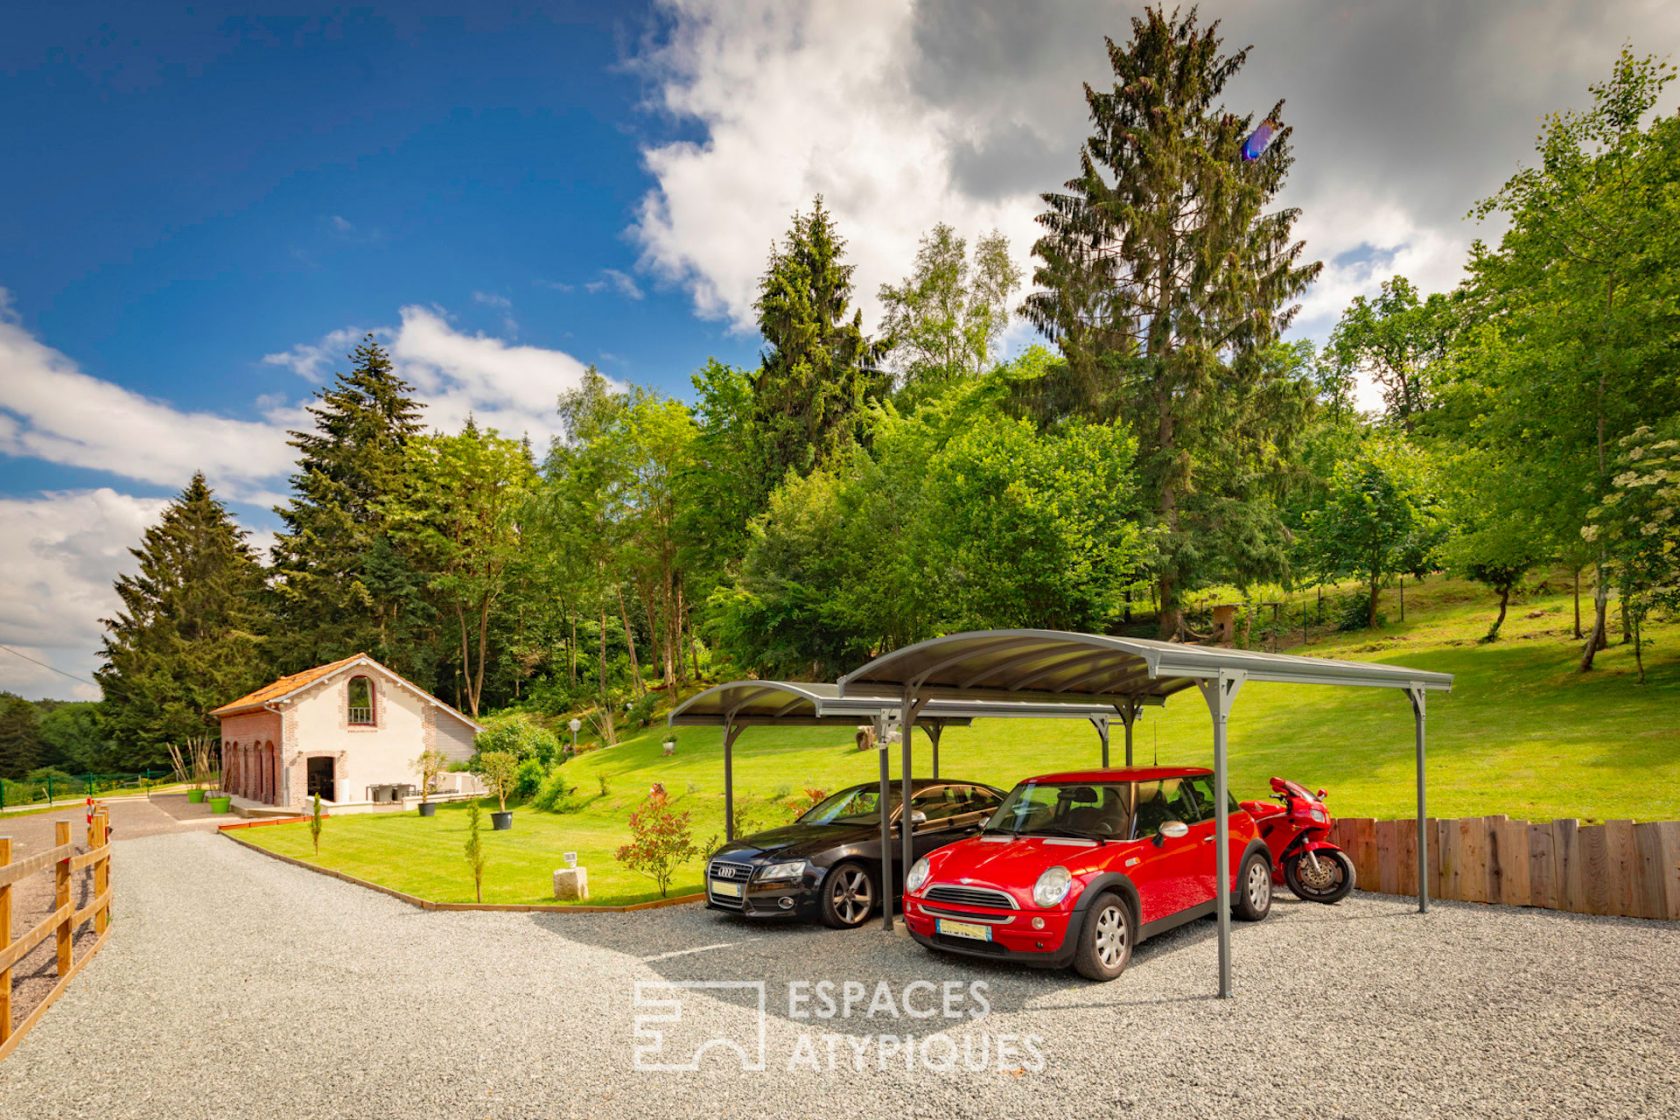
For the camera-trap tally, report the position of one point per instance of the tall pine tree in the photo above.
(340, 586)
(189, 635)
(817, 374)
(1165, 280)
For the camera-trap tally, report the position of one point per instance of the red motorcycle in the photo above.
(1298, 834)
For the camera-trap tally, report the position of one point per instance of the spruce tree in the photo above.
(340, 587)
(816, 376)
(20, 736)
(188, 637)
(1166, 281)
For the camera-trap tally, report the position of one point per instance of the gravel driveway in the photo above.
(237, 985)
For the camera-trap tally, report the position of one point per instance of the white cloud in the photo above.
(902, 114)
(313, 361)
(55, 412)
(61, 553)
(800, 100)
(615, 281)
(509, 387)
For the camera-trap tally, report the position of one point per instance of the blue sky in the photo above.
(203, 209)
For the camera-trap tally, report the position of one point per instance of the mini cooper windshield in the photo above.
(1088, 810)
(858, 805)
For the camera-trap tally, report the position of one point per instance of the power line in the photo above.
(51, 668)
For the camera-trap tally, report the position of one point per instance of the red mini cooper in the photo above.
(1076, 869)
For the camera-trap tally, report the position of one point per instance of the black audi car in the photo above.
(827, 864)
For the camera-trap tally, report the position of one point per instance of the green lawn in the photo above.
(1522, 734)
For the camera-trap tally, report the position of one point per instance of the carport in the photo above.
(1051, 666)
(737, 705)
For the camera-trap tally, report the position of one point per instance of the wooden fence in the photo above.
(61, 861)
(1617, 867)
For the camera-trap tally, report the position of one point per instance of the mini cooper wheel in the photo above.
(848, 896)
(1325, 876)
(1254, 889)
(1105, 939)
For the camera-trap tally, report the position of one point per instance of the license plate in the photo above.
(728, 890)
(964, 929)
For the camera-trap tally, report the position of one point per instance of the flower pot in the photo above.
(428, 808)
(501, 822)
(221, 804)
(195, 796)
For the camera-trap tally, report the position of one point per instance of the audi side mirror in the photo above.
(917, 817)
(1170, 830)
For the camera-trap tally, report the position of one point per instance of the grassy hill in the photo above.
(1522, 734)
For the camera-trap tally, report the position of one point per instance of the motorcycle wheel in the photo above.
(1332, 882)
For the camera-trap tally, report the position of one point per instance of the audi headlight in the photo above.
(1052, 887)
(782, 872)
(918, 875)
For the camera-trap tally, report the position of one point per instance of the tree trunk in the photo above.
(1638, 646)
(1577, 575)
(1601, 604)
(630, 644)
(1371, 607)
(466, 662)
(1402, 598)
(1504, 601)
(601, 674)
(1169, 620)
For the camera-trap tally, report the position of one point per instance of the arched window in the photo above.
(359, 702)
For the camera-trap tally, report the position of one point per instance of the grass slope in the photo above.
(1522, 734)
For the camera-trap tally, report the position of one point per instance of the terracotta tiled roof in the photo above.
(282, 687)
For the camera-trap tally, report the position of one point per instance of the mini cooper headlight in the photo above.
(918, 875)
(782, 872)
(1052, 886)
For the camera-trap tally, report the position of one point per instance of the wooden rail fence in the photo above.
(61, 860)
(1614, 868)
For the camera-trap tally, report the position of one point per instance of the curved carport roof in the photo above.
(1063, 665)
(737, 705)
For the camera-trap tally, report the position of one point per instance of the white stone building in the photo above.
(339, 730)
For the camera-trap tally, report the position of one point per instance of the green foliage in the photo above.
(554, 794)
(1165, 279)
(340, 587)
(474, 850)
(946, 319)
(1396, 339)
(661, 840)
(519, 734)
(500, 772)
(1379, 519)
(817, 376)
(315, 821)
(74, 733)
(528, 779)
(188, 636)
(1580, 314)
(460, 516)
(20, 738)
(1637, 524)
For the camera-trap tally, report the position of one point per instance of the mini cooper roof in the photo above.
(1122, 774)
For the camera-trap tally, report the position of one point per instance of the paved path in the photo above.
(236, 985)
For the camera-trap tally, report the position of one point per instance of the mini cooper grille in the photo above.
(969, 896)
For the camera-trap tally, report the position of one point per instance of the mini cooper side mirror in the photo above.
(1170, 830)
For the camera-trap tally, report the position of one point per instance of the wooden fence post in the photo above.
(1596, 889)
(1566, 874)
(5, 942)
(61, 898)
(1621, 865)
(1388, 858)
(1542, 881)
(102, 871)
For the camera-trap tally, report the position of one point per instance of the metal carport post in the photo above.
(1062, 665)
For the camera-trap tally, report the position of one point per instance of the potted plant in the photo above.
(500, 771)
(220, 802)
(429, 765)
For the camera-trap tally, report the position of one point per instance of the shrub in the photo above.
(640, 711)
(1352, 612)
(661, 841)
(551, 796)
(475, 851)
(528, 778)
(520, 734)
(315, 824)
